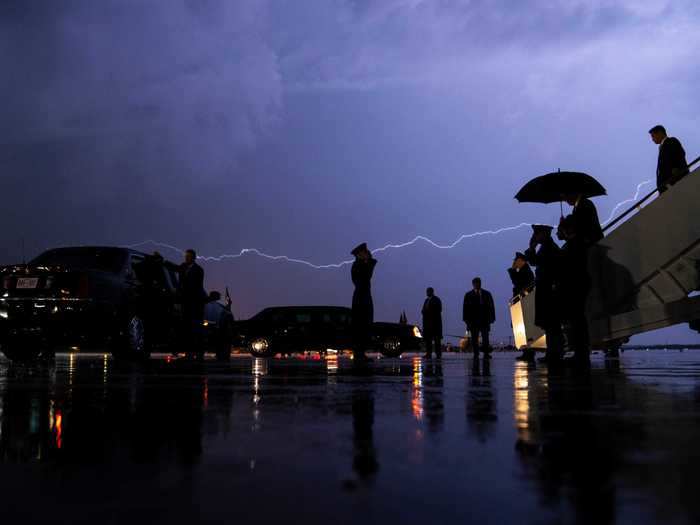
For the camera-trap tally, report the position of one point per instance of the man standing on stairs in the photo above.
(671, 165)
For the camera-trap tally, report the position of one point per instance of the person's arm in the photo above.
(513, 274)
(438, 307)
(492, 308)
(465, 308)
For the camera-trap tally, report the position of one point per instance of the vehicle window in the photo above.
(84, 258)
(303, 318)
(278, 317)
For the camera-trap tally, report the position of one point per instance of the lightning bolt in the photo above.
(418, 238)
(627, 201)
(285, 258)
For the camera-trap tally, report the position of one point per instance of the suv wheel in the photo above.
(130, 342)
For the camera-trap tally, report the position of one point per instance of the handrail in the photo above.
(637, 204)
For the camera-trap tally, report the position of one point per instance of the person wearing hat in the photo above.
(362, 305)
(521, 274)
(547, 311)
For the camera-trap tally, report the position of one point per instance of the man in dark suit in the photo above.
(479, 314)
(546, 260)
(192, 298)
(432, 324)
(671, 165)
(521, 274)
(585, 219)
(574, 286)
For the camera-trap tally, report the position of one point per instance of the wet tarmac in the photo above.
(88, 440)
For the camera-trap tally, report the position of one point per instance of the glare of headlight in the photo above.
(3, 314)
(416, 332)
(260, 345)
(205, 323)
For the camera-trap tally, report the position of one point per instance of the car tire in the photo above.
(130, 340)
(391, 347)
(261, 347)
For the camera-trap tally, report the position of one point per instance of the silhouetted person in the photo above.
(671, 165)
(547, 307)
(432, 324)
(193, 298)
(362, 305)
(575, 285)
(220, 320)
(585, 219)
(521, 275)
(479, 314)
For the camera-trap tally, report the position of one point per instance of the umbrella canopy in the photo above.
(552, 186)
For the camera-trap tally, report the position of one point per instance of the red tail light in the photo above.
(7, 283)
(83, 287)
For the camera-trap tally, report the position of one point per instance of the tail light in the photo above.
(7, 283)
(83, 287)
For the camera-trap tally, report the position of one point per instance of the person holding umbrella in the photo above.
(575, 285)
(584, 218)
(576, 188)
(362, 305)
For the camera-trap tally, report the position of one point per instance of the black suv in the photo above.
(88, 297)
(289, 329)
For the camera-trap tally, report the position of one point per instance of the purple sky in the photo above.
(303, 128)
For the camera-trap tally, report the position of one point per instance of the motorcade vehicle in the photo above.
(289, 329)
(88, 297)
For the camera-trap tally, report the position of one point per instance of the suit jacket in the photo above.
(671, 164)
(192, 285)
(362, 305)
(432, 316)
(587, 223)
(478, 309)
(547, 262)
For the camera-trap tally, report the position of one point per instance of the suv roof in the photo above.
(106, 258)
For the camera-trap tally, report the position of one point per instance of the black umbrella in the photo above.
(553, 186)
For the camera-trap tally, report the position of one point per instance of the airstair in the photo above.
(645, 273)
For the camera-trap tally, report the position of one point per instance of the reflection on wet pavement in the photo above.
(86, 439)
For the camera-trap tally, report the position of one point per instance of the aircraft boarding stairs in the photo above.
(645, 273)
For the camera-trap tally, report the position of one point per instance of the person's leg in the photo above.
(485, 343)
(438, 346)
(474, 334)
(579, 329)
(555, 343)
(428, 340)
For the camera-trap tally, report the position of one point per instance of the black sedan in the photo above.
(289, 329)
